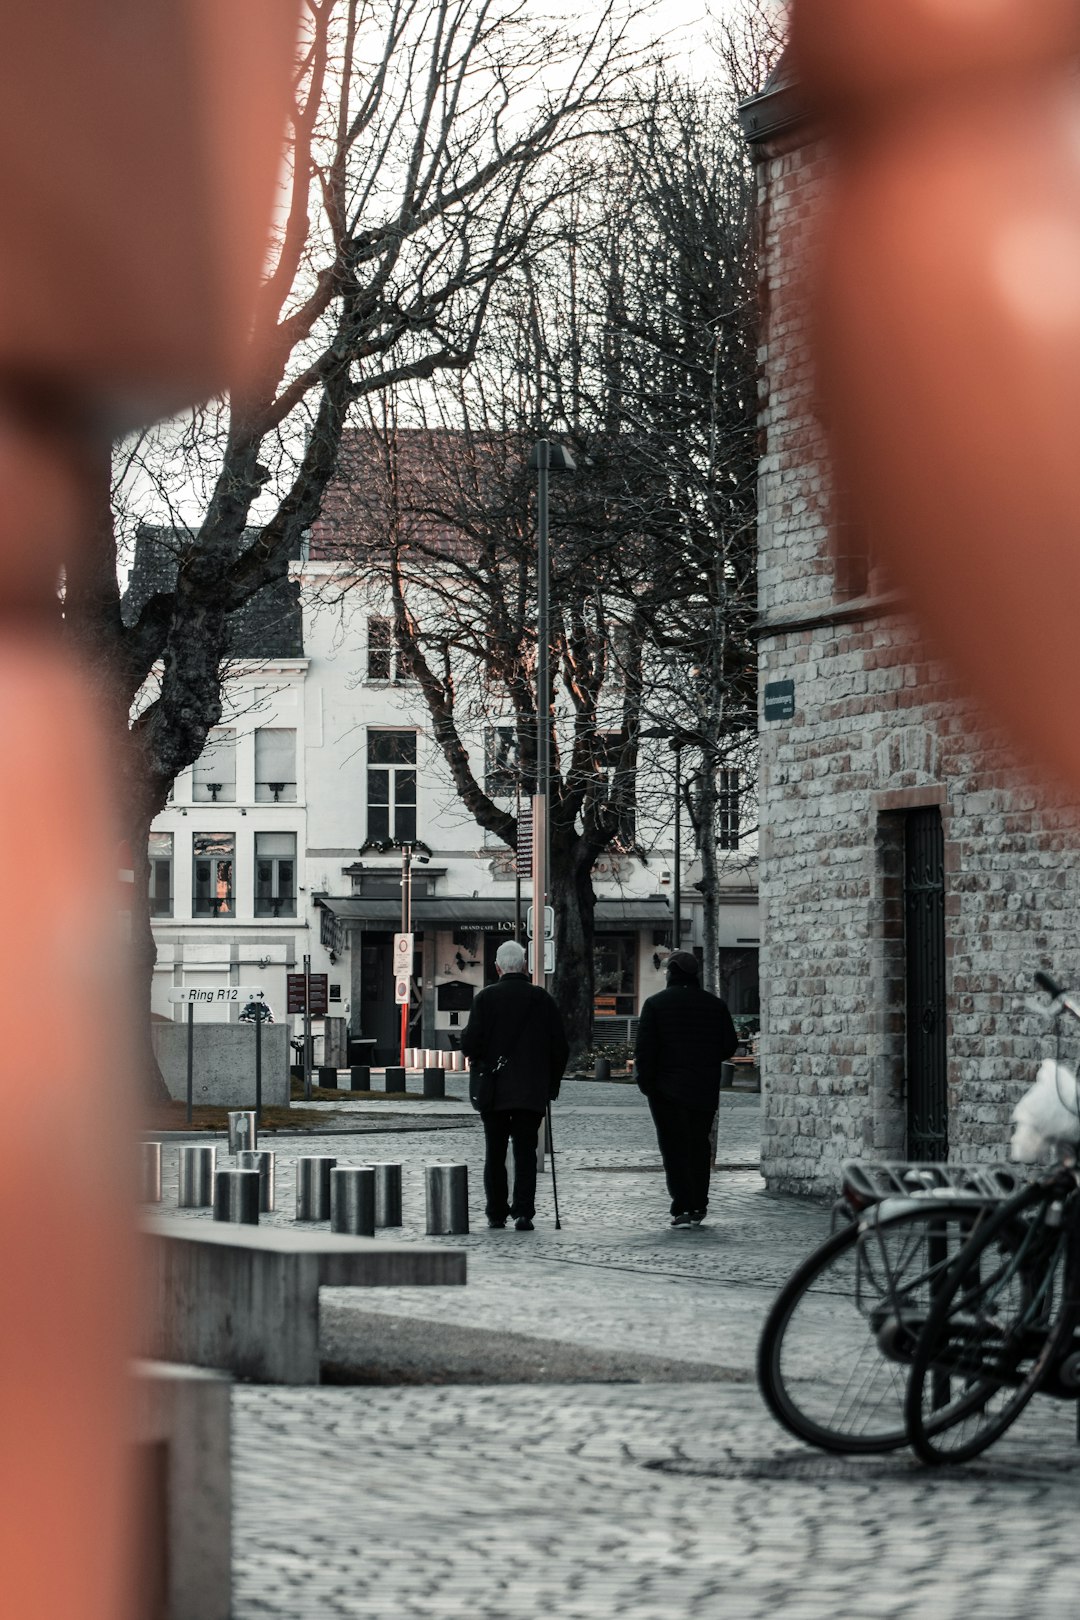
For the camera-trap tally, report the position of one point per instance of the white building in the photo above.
(260, 858)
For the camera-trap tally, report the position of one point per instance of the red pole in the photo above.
(404, 1029)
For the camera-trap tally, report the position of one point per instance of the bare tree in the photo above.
(420, 171)
(440, 517)
(682, 337)
(635, 339)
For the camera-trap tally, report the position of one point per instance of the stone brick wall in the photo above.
(879, 729)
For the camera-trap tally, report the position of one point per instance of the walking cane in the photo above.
(554, 1183)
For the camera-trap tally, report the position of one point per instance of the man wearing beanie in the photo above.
(684, 1034)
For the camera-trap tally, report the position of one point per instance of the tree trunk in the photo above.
(143, 957)
(574, 903)
(705, 836)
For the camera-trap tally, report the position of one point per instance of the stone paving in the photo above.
(633, 1499)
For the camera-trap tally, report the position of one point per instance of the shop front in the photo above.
(455, 939)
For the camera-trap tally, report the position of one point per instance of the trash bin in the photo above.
(446, 1188)
(387, 1194)
(236, 1196)
(243, 1134)
(151, 1172)
(352, 1200)
(195, 1177)
(263, 1162)
(313, 1187)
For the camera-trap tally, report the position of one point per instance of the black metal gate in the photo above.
(924, 916)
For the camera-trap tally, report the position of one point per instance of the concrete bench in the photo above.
(181, 1430)
(246, 1298)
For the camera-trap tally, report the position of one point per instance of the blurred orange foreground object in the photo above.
(66, 1157)
(141, 143)
(948, 337)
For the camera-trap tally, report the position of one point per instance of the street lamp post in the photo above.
(545, 458)
(676, 741)
(406, 928)
(676, 744)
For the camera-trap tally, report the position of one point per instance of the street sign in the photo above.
(523, 859)
(401, 989)
(779, 700)
(320, 994)
(549, 955)
(403, 954)
(549, 922)
(200, 994)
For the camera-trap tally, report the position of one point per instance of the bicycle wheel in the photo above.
(994, 1329)
(834, 1351)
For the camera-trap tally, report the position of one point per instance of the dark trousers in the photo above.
(683, 1135)
(501, 1127)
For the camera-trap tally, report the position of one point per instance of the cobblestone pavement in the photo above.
(636, 1500)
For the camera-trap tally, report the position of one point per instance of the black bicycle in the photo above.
(1002, 1326)
(837, 1344)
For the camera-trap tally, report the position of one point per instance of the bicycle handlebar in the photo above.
(1063, 1000)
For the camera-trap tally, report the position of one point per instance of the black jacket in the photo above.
(684, 1034)
(518, 1020)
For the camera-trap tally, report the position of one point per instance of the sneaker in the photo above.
(523, 1224)
(697, 1216)
(496, 1226)
(682, 1219)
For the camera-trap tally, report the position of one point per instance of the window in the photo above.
(727, 806)
(161, 871)
(383, 658)
(391, 786)
(214, 777)
(500, 761)
(275, 874)
(851, 547)
(214, 858)
(615, 975)
(275, 765)
(609, 747)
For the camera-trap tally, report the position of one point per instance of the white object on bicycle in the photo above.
(1042, 1115)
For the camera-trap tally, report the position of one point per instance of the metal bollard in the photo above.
(387, 1194)
(434, 1082)
(243, 1134)
(151, 1172)
(263, 1162)
(195, 1182)
(313, 1187)
(328, 1077)
(236, 1196)
(446, 1188)
(360, 1077)
(352, 1200)
(395, 1080)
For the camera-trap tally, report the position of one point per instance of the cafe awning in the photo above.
(482, 913)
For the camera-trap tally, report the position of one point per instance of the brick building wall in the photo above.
(878, 730)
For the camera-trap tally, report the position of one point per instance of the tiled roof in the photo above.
(410, 483)
(269, 625)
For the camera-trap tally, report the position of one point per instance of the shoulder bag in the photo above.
(483, 1077)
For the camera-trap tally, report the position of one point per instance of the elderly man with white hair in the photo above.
(515, 1039)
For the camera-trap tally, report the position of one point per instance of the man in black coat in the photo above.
(684, 1034)
(516, 1020)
